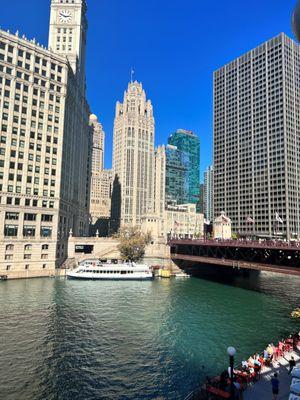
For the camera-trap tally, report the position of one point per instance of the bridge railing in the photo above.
(240, 243)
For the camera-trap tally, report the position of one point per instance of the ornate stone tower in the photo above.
(67, 32)
(133, 155)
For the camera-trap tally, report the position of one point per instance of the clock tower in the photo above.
(67, 32)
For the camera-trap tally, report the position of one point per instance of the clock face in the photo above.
(65, 16)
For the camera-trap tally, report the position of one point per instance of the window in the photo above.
(11, 230)
(12, 216)
(47, 218)
(8, 256)
(9, 247)
(28, 247)
(28, 231)
(44, 256)
(46, 231)
(45, 247)
(27, 256)
(29, 217)
(27, 266)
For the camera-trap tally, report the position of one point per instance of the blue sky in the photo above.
(174, 47)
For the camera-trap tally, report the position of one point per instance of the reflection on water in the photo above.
(65, 340)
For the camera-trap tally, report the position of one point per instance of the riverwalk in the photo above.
(262, 389)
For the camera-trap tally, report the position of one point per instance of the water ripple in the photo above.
(63, 340)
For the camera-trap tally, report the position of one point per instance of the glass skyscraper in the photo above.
(189, 144)
(177, 184)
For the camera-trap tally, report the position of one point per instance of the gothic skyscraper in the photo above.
(133, 155)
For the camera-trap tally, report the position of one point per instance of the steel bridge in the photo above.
(272, 256)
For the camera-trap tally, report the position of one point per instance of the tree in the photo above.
(132, 243)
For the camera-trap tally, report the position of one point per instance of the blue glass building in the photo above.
(177, 185)
(188, 143)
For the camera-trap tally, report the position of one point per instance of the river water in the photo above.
(90, 340)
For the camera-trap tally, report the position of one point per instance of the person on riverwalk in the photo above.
(275, 386)
(292, 364)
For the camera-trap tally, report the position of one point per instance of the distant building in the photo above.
(177, 176)
(208, 193)
(133, 158)
(183, 221)
(101, 182)
(160, 186)
(201, 198)
(97, 141)
(256, 140)
(189, 144)
(222, 227)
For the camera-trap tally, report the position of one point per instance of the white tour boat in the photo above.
(96, 270)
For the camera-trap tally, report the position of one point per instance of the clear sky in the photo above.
(174, 47)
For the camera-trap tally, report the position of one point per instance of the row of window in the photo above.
(28, 56)
(28, 231)
(28, 217)
(26, 257)
(11, 247)
(29, 202)
(27, 266)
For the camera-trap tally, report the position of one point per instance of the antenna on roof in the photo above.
(132, 72)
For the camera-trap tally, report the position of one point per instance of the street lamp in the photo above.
(231, 352)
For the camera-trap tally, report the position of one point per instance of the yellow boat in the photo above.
(296, 313)
(164, 273)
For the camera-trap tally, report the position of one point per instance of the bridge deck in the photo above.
(269, 256)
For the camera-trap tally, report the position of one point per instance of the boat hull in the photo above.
(90, 278)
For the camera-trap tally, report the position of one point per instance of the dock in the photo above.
(262, 389)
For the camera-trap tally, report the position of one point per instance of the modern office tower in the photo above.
(133, 158)
(44, 146)
(256, 140)
(208, 193)
(177, 176)
(189, 143)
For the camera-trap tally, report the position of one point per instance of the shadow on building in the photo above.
(100, 228)
(115, 213)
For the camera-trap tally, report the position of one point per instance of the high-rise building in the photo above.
(208, 193)
(101, 181)
(133, 158)
(44, 144)
(201, 197)
(188, 143)
(177, 176)
(256, 140)
(160, 181)
(97, 137)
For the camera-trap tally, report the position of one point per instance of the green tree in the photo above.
(132, 243)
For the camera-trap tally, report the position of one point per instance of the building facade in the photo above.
(177, 176)
(133, 158)
(189, 144)
(208, 193)
(101, 182)
(256, 140)
(44, 147)
(183, 221)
